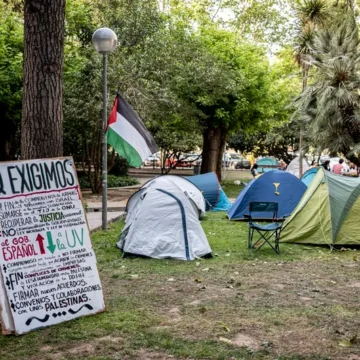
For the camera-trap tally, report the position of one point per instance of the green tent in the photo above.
(328, 212)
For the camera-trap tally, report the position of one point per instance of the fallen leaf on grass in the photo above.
(344, 343)
(227, 255)
(225, 327)
(197, 264)
(171, 279)
(348, 343)
(206, 269)
(225, 340)
(134, 276)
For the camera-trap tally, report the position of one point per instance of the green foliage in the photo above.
(119, 181)
(11, 49)
(120, 167)
(112, 180)
(330, 107)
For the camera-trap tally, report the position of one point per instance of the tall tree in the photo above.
(42, 118)
(330, 107)
(312, 14)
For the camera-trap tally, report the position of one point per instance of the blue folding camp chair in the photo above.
(269, 233)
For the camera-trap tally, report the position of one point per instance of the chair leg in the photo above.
(251, 234)
(265, 239)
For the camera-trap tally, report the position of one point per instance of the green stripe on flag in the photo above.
(123, 148)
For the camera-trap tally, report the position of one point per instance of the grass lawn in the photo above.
(299, 305)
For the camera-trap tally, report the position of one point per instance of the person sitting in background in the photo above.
(338, 168)
(283, 165)
(326, 165)
(353, 169)
(253, 170)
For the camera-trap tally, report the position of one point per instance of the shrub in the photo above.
(120, 167)
(113, 181)
(119, 181)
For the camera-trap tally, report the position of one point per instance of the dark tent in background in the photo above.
(215, 198)
(273, 186)
(267, 164)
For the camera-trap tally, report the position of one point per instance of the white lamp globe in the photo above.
(104, 40)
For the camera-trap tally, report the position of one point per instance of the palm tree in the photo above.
(330, 107)
(312, 15)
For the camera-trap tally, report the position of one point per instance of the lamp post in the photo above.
(104, 41)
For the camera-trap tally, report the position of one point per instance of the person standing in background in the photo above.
(326, 165)
(338, 168)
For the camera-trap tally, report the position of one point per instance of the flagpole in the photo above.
(104, 41)
(104, 146)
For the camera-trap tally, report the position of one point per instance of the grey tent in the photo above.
(168, 182)
(164, 224)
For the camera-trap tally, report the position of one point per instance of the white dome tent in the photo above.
(294, 166)
(163, 223)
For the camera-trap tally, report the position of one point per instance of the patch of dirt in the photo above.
(354, 285)
(111, 339)
(84, 349)
(244, 340)
(56, 356)
(46, 348)
(302, 340)
(153, 355)
(174, 315)
(354, 357)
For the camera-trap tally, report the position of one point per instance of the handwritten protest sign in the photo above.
(48, 267)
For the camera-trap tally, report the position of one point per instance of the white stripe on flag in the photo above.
(126, 131)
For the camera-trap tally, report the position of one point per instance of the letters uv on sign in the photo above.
(48, 271)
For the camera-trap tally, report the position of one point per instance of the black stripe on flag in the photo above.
(133, 118)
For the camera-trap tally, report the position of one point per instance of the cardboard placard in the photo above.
(48, 267)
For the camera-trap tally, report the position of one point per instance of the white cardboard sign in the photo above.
(48, 267)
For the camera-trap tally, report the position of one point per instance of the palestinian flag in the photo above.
(127, 134)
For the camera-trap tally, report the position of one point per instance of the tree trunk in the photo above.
(219, 167)
(211, 149)
(305, 74)
(41, 132)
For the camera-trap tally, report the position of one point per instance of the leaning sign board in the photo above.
(48, 266)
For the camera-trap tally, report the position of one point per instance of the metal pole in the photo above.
(104, 147)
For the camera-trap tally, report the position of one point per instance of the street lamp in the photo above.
(104, 41)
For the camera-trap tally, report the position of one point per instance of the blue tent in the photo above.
(210, 187)
(267, 162)
(273, 186)
(224, 203)
(309, 175)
